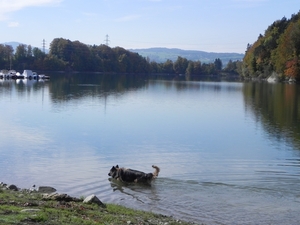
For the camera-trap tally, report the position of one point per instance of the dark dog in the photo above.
(129, 175)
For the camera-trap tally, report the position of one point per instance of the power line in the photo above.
(107, 40)
(44, 44)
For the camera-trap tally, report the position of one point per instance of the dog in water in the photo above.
(130, 175)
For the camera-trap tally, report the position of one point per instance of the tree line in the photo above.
(278, 50)
(66, 55)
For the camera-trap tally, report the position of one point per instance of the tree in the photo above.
(21, 53)
(6, 54)
(190, 68)
(167, 67)
(293, 68)
(197, 68)
(180, 65)
(218, 64)
(38, 54)
(208, 68)
(62, 48)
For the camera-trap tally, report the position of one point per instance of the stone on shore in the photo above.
(60, 197)
(93, 199)
(13, 187)
(46, 189)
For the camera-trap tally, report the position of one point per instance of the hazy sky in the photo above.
(207, 25)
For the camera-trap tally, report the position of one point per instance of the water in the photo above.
(229, 152)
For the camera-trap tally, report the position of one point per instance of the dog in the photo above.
(130, 175)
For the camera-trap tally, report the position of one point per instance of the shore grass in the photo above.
(29, 208)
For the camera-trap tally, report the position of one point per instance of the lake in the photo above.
(229, 152)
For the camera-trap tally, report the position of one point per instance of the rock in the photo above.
(13, 187)
(46, 189)
(60, 197)
(93, 199)
(32, 188)
(273, 78)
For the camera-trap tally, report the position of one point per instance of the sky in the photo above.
(205, 25)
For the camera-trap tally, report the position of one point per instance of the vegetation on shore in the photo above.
(26, 207)
(277, 51)
(66, 55)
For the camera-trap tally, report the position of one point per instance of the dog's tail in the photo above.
(156, 171)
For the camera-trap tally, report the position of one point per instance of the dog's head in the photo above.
(114, 171)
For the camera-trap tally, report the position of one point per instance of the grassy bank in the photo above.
(25, 207)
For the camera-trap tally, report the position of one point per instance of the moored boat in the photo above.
(43, 76)
(29, 74)
(11, 73)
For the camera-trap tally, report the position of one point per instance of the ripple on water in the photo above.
(192, 200)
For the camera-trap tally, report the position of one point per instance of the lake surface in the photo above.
(229, 152)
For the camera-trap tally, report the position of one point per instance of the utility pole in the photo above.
(106, 40)
(44, 43)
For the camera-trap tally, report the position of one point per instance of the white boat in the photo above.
(11, 73)
(28, 74)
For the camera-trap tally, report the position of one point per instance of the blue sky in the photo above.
(207, 25)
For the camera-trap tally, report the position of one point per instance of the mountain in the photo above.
(15, 44)
(163, 54)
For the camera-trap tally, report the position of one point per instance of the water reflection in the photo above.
(276, 107)
(66, 87)
(76, 86)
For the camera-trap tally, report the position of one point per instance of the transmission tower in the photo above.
(44, 43)
(106, 40)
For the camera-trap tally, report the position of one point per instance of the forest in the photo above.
(277, 51)
(66, 55)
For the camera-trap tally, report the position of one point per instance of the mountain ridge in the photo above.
(162, 54)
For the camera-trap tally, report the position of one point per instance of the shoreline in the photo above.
(43, 205)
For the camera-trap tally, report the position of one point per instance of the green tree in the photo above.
(180, 65)
(190, 68)
(38, 54)
(197, 68)
(21, 53)
(61, 48)
(218, 64)
(167, 67)
(208, 68)
(6, 54)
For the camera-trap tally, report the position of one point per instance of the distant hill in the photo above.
(163, 54)
(15, 44)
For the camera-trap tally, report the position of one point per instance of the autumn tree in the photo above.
(293, 68)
